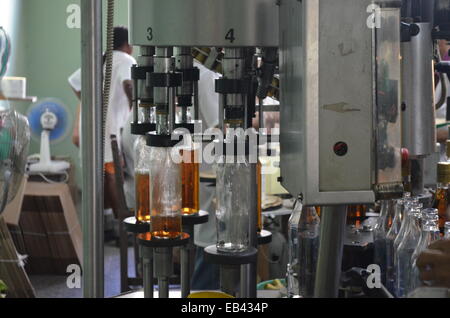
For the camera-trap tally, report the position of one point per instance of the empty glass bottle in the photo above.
(233, 205)
(390, 239)
(304, 235)
(430, 233)
(409, 204)
(293, 252)
(447, 231)
(380, 233)
(309, 237)
(406, 249)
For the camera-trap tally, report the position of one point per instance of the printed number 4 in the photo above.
(230, 36)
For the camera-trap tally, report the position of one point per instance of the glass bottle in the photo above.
(293, 252)
(261, 184)
(390, 238)
(380, 233)
(447, 231)
(142, 180)
(233, 192)
(309, 237)
(430, 233)
(409, 204)
(165, 193)
(303, 250)
(190, 172)
(355, 213)
(406, 249)
(441, 198)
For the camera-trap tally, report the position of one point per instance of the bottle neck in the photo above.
(430, 226)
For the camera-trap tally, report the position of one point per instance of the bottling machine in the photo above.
(355, 86)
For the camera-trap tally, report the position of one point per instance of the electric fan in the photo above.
(14, 142)
(49, 121)
(14, 137)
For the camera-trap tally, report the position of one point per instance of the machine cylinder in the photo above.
(419, 132)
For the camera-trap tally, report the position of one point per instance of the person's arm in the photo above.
(128, 88)
(442, 135)
(434, 264)
(444, 48)
(76, 128)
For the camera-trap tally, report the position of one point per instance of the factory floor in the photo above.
(50, 286)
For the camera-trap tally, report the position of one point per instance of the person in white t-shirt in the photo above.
(119, 106)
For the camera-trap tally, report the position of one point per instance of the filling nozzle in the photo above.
(164, 81)
(142, 92)
(187, 93)
(233, 89)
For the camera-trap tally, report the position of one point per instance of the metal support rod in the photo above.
(196, 102)
(251, 269)
(135, 101)
(172, 107)
(163, 269)
(186, 261)
(163, 283)
(330, 252)
(261, 114)
(147, 263)
(222, 103)
(230, 278)
(244, 289)
(185, 272)
(92, 148)
(417, 177)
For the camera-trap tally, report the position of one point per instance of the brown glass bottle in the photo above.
(355, 214)
(165, 194)
(190, 182)
(166, 227)
(142, 197)
(441, 202)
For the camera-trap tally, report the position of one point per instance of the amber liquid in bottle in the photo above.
(318, 210)
(166, 227)
(441, 204)
(142, 197)
(190, 183)
(355, 214)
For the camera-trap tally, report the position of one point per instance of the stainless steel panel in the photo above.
(293, 113)
(204, 23)
(345, 95)
(302, 97)
(388, 118)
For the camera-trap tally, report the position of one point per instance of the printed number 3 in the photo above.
(150, 34)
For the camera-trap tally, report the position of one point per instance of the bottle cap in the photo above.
(443, 172)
